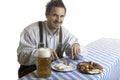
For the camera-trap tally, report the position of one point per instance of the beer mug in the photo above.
(43, 62)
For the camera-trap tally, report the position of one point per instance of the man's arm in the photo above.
(72, 46)
(27, 49)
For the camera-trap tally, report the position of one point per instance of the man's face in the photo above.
(55, 17)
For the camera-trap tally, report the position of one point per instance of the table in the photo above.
(105, 51)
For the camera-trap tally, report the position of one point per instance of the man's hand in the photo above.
(54, 55)
(75, 49)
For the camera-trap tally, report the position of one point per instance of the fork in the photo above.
(67, 59)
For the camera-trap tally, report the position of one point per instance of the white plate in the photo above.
(70, 68)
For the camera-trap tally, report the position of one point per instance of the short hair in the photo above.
(54, 3)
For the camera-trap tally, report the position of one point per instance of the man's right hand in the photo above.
(54, 55)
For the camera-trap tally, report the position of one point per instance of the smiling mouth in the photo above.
(57, 23)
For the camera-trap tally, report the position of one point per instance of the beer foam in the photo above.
(43, 52)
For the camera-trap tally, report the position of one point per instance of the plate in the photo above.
(67, 68)
(90, 67)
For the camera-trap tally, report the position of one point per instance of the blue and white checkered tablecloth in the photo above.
(105, 51)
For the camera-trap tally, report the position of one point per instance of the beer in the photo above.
(43, 63)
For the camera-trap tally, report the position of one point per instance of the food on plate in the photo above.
(90, 67)
(61, 66)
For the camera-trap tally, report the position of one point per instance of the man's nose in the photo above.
(58, 19)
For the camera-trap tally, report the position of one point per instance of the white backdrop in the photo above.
(88, 20)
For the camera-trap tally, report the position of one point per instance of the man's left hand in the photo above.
(75, 49)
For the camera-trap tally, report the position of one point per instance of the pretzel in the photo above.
(89, 67)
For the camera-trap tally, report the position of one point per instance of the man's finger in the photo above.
(73, 51)
(55, 55)
(52, 55)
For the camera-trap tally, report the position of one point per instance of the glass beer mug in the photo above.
(43, 62)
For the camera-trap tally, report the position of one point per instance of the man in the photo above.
(48, 33)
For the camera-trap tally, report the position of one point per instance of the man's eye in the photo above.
(62, 16)
(54, 15)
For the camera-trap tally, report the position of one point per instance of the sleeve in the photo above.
(26, 49)
(69, 41)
